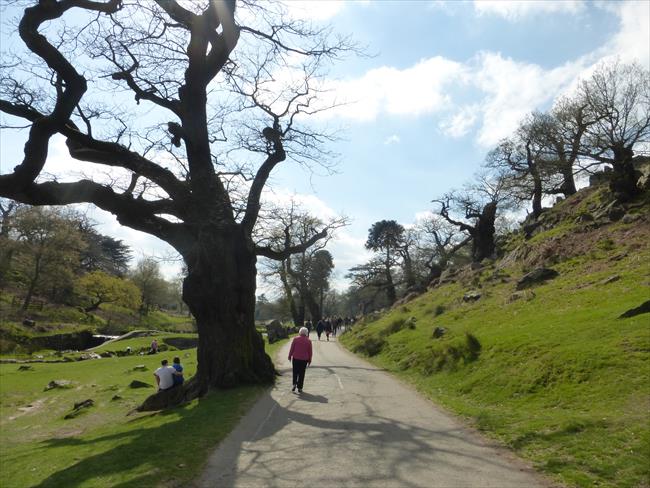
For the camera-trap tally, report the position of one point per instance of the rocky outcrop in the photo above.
(536, 277)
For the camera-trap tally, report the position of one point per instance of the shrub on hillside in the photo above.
(395, 326)
(370, 346)
(473, 346)
(449, 354)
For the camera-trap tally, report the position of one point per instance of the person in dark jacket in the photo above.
(300, 357)
(328, 328)
(320, 327)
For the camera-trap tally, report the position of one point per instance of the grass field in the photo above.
(552, 372)
(109, 445)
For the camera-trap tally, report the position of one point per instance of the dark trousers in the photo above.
(299, 367)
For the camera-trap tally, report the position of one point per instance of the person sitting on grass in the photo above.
(164, 376)
(178, 371)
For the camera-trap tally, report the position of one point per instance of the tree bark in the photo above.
(624, 177)
(568, 182)
(220, 291)
(483, 235)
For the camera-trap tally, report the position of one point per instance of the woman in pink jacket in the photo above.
(300, 352)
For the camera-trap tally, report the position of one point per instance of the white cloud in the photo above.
(283, 197)
(512, 89)
(519, 9)
(413, 91)
(461, 123)
(632, 42)
(393, 139)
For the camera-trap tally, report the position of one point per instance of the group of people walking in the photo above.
(329, 325)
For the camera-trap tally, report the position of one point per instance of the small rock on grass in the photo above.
(58, 384)
(139, 384)
(25, 368)
(438, 332)
(611, 279)
(79, 407)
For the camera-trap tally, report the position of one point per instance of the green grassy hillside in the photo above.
(551, 370)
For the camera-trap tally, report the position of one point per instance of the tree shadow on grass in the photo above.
(154, 454)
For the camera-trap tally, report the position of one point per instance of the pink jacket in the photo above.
(300, 349)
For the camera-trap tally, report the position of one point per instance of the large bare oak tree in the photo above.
(219, 96)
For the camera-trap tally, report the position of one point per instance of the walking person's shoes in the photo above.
(294, 388)
(299, 390)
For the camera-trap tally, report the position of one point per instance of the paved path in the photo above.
(355, 426)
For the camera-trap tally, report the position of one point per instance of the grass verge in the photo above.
(106, 446)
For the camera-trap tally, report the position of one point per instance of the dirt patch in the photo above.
(35, 406)
(620, 240)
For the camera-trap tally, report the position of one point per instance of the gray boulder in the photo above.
(276, 331)
(471, 296)
(58, 384)
(79, 407)
(438, 332)
(535, 277)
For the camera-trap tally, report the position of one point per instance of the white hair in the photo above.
(304, 331)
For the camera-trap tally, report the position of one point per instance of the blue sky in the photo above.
(446, 81)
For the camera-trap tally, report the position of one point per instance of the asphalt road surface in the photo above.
(356, 426)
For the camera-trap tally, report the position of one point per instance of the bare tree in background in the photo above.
(304, 276)
(440, 242)
(187, 156)
(617, 99)
(521, 158)
(477, 206)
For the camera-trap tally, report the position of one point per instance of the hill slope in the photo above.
(551, 369)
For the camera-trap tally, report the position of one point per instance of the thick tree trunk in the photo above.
(220, 291)
(483, 234)
(624, 177)
(568, 182)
